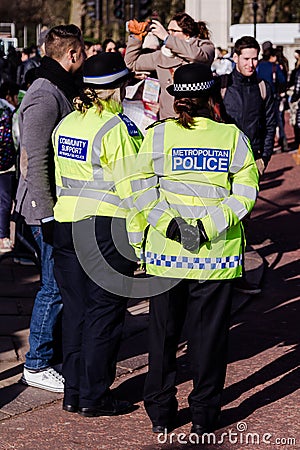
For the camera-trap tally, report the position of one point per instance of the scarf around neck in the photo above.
(68, 83)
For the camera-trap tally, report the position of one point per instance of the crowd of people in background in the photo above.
(172, 81)
(184, 41)
(273, 65)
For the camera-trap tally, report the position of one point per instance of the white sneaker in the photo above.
(47, 379)
(6, 245)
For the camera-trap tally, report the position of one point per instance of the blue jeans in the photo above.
(47, 307)
(6, 194)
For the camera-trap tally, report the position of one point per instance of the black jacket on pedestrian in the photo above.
(252, 114)
(296, 96)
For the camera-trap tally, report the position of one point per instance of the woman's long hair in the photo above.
(103, 99)
(189, 108)
(190, 27)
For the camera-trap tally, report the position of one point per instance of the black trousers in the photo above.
(93, 316)
(206, 309)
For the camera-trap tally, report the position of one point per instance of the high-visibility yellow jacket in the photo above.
(208, 173)
(94, 156)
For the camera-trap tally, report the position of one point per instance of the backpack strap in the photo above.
(262, 89)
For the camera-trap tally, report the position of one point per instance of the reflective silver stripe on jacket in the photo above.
(135, 237)
(195, 190)
(97, 182)
(240, 154)
(88, 193)
(140, 185)
(190, 211)
(245, 191)
(156, 213)
(146, 198)
(158, 149)
(128, 202)
(96, 149)
(237, 207)
(218, 217)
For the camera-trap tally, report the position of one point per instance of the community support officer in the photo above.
(94, 146)
(195, 181)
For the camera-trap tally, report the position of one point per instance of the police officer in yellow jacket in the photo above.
(94, 147)
(195, 181)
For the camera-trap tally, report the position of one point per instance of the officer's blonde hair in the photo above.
(102, 99)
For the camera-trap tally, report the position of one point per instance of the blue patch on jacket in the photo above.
(200, 159)
(131, 126)
(72, 148)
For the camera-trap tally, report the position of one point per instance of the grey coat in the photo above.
(42, 108)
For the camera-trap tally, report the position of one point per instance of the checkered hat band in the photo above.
(189, 87)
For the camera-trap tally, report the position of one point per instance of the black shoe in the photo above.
(107, 408)
(70, 408)
(169, 426)
(243, 286)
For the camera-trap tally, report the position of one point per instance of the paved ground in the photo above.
(262, 395)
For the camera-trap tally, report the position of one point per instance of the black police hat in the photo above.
(105, 71)
(192, 80)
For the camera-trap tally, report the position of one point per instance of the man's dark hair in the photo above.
(26, 51)
(245, 42)
(268, 53)
(61, 38)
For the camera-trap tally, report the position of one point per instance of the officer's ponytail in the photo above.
(184, 107)
(86, 100)
(189, 108)
(108, 99)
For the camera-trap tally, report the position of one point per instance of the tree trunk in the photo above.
(76, 12)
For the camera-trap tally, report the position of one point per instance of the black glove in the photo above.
(48, 231)
(189, 236)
